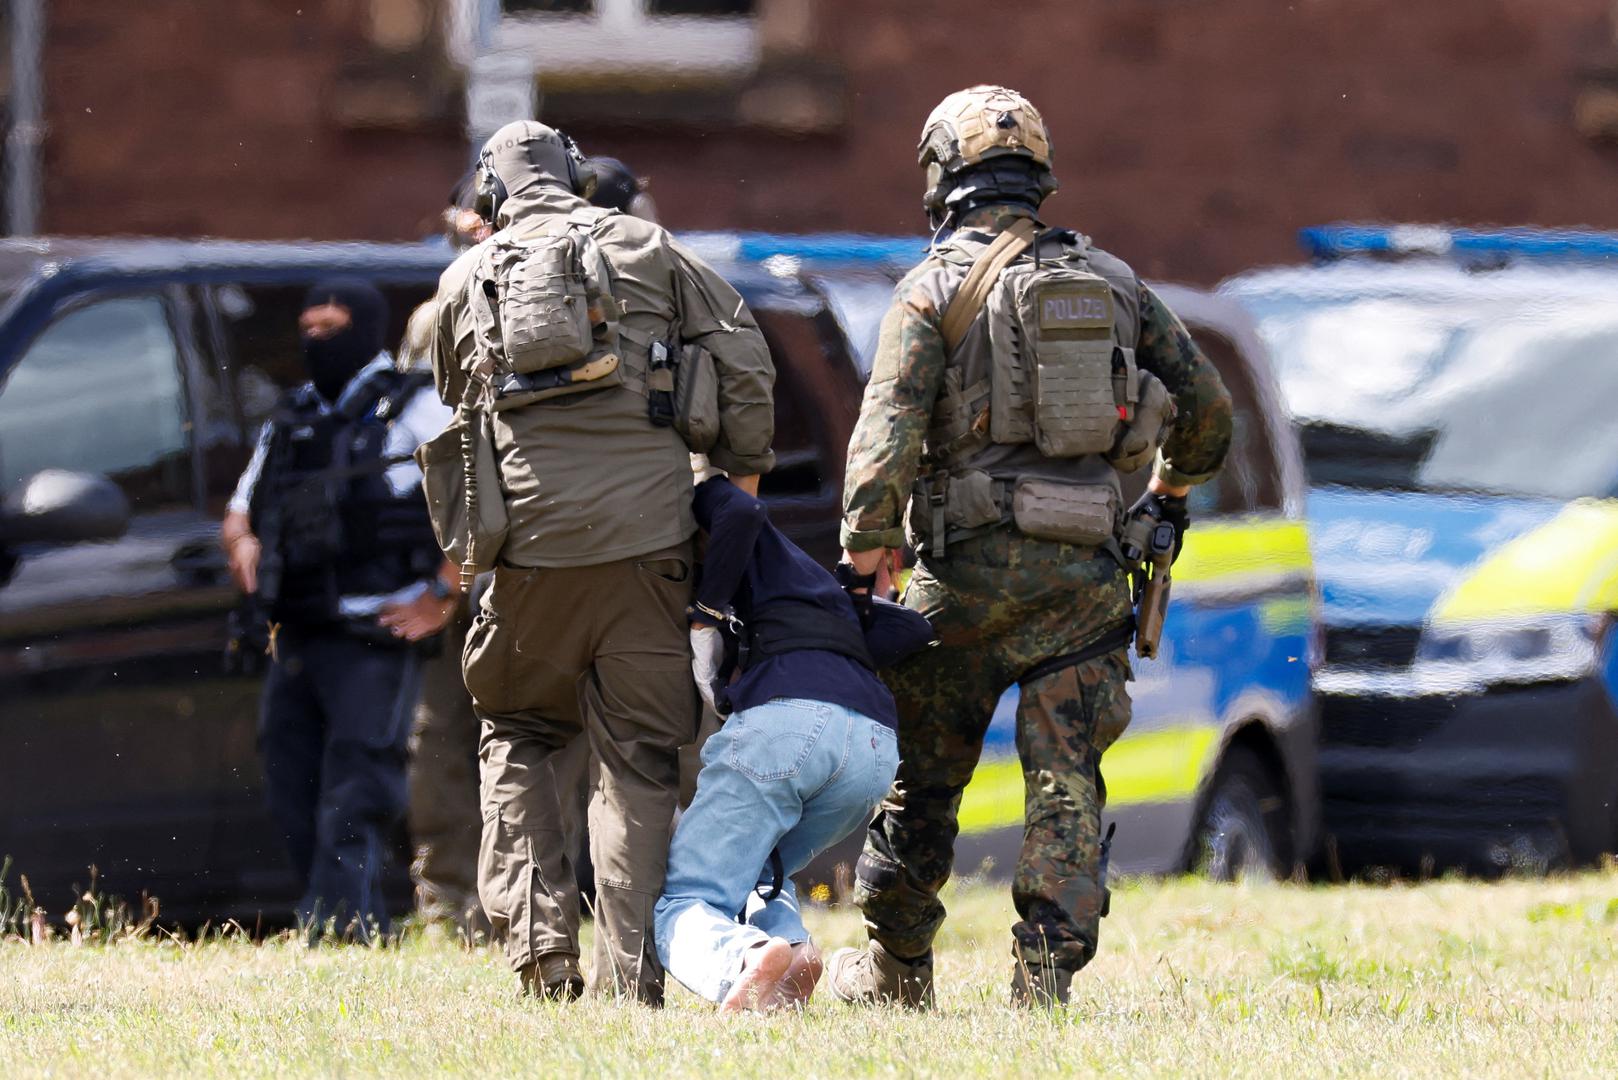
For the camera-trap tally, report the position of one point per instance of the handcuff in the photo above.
(850, 578)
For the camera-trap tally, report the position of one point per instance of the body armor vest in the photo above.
(1043, 406)
(330, 524)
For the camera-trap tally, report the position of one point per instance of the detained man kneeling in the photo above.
(807, 752)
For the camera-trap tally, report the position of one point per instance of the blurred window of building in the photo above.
(99, 391)
(582, 40)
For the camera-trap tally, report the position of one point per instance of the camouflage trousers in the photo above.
(1001, 604)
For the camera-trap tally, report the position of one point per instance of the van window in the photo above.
(99, 391)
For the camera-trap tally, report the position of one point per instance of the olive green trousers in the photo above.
(553, 653)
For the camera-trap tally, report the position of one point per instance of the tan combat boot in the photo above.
(874, 976)
(554, 976)
(1034, 986)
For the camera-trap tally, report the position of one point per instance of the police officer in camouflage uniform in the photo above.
(583, 628)
(1019, 372)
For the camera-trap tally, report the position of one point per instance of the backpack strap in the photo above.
(986, 268)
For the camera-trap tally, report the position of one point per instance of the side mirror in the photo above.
(55, 506)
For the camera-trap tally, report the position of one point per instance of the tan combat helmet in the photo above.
(973, 126)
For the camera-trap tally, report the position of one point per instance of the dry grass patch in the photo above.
(1448, 977)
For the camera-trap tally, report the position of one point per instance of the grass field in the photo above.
(1511, 979)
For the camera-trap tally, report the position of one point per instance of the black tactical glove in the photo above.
(1170, 509)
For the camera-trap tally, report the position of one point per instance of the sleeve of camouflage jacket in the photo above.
(713, 315)
(1196, 448)
(885, 451)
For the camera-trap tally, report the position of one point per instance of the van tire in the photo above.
(1243, 830)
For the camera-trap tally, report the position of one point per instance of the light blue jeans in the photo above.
(791, 775)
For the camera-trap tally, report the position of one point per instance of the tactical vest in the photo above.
(330, 524)
(1042, 406)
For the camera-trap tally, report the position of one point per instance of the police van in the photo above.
(1453, 391)
(1217, 769)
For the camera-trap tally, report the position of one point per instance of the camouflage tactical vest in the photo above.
(1042, 405)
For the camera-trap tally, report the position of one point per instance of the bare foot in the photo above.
(802, 976)
(762, 969)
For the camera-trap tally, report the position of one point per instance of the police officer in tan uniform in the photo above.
(583, 627)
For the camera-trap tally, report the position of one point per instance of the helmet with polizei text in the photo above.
(986, 143)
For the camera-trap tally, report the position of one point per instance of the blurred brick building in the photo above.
(1192, 136)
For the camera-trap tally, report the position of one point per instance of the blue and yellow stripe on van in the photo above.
(1261, 562)
(1569, 564)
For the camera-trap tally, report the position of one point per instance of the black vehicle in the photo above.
(134, 376)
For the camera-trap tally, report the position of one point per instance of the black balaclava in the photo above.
(332, 361)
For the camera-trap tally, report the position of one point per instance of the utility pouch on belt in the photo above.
(1084, 514)
(462, 481)
(971, 500)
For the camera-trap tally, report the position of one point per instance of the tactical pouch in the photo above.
(696, 399)
(534, 303)
(1152, 413)
(444, 474)
(1083, 514)
(544, 310)
(970, 501)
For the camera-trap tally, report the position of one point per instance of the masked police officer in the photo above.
(1020, 371)
(583, 627)
(329, 532)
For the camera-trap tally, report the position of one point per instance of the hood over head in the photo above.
(538, 167)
